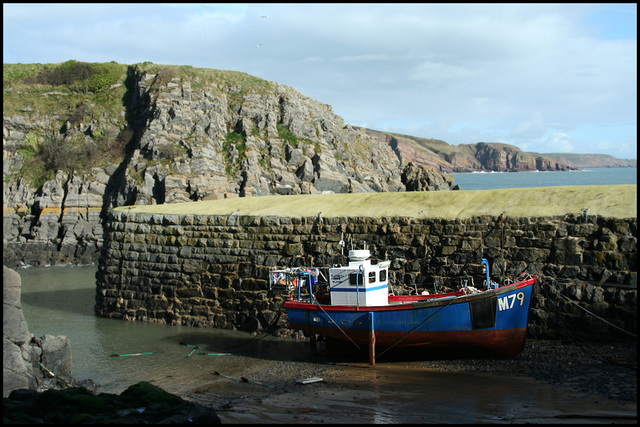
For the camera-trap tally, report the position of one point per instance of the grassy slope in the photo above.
(616, 201)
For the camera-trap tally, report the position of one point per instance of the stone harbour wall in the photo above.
(212, 270)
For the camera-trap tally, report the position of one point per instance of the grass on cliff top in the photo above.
(615, 201)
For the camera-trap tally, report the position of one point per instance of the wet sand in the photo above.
(550, 382)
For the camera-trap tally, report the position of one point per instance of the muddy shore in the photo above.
(549, 382)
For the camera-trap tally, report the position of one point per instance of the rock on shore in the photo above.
(29, 362)
(141, 403)
(37, 386)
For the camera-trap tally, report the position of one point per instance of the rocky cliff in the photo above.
(488, 156)
(80, 139)
(593, 160)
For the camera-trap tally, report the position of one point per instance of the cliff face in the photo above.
(272, 141)
(593, 160)
(168, 134)
(481, 156)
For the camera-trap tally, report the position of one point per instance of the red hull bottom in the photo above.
(458, 344)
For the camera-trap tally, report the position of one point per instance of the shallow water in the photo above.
(59, 301)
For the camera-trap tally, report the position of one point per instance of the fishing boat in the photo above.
(352, 304)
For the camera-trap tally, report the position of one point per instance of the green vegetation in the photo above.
(287, 135)
(233, 83)
(170, 151)
(255, 131)
(53, 152)
(84, 114)
(163, 77)
(75, 76)
(294, 141)
(51, 88)
(30, 147)
(239, 143)
(75, 93)
(41, 90)
(66, 95)
(617, 201)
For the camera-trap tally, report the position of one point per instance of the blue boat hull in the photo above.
(490, 322)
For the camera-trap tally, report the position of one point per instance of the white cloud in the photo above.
(558, 142)
(514, 73)
(532, 127)
(366, 57)
(438, 73)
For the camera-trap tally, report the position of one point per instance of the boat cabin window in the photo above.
(354, 279)
(383, 275)
(372, 277)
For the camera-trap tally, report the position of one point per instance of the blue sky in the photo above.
(544, 77)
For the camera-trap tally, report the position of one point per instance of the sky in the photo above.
(545, 77)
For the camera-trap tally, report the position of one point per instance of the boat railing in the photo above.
(297, 280)
(305, 275)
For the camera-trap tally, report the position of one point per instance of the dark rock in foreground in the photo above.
(142, 403)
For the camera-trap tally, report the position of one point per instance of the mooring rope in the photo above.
(579, 341)
(420, 324)
(587, 311)
(338, 326)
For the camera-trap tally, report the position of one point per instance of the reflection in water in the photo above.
(383, 408)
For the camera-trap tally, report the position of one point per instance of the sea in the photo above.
(59, 300)
(495, 180)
